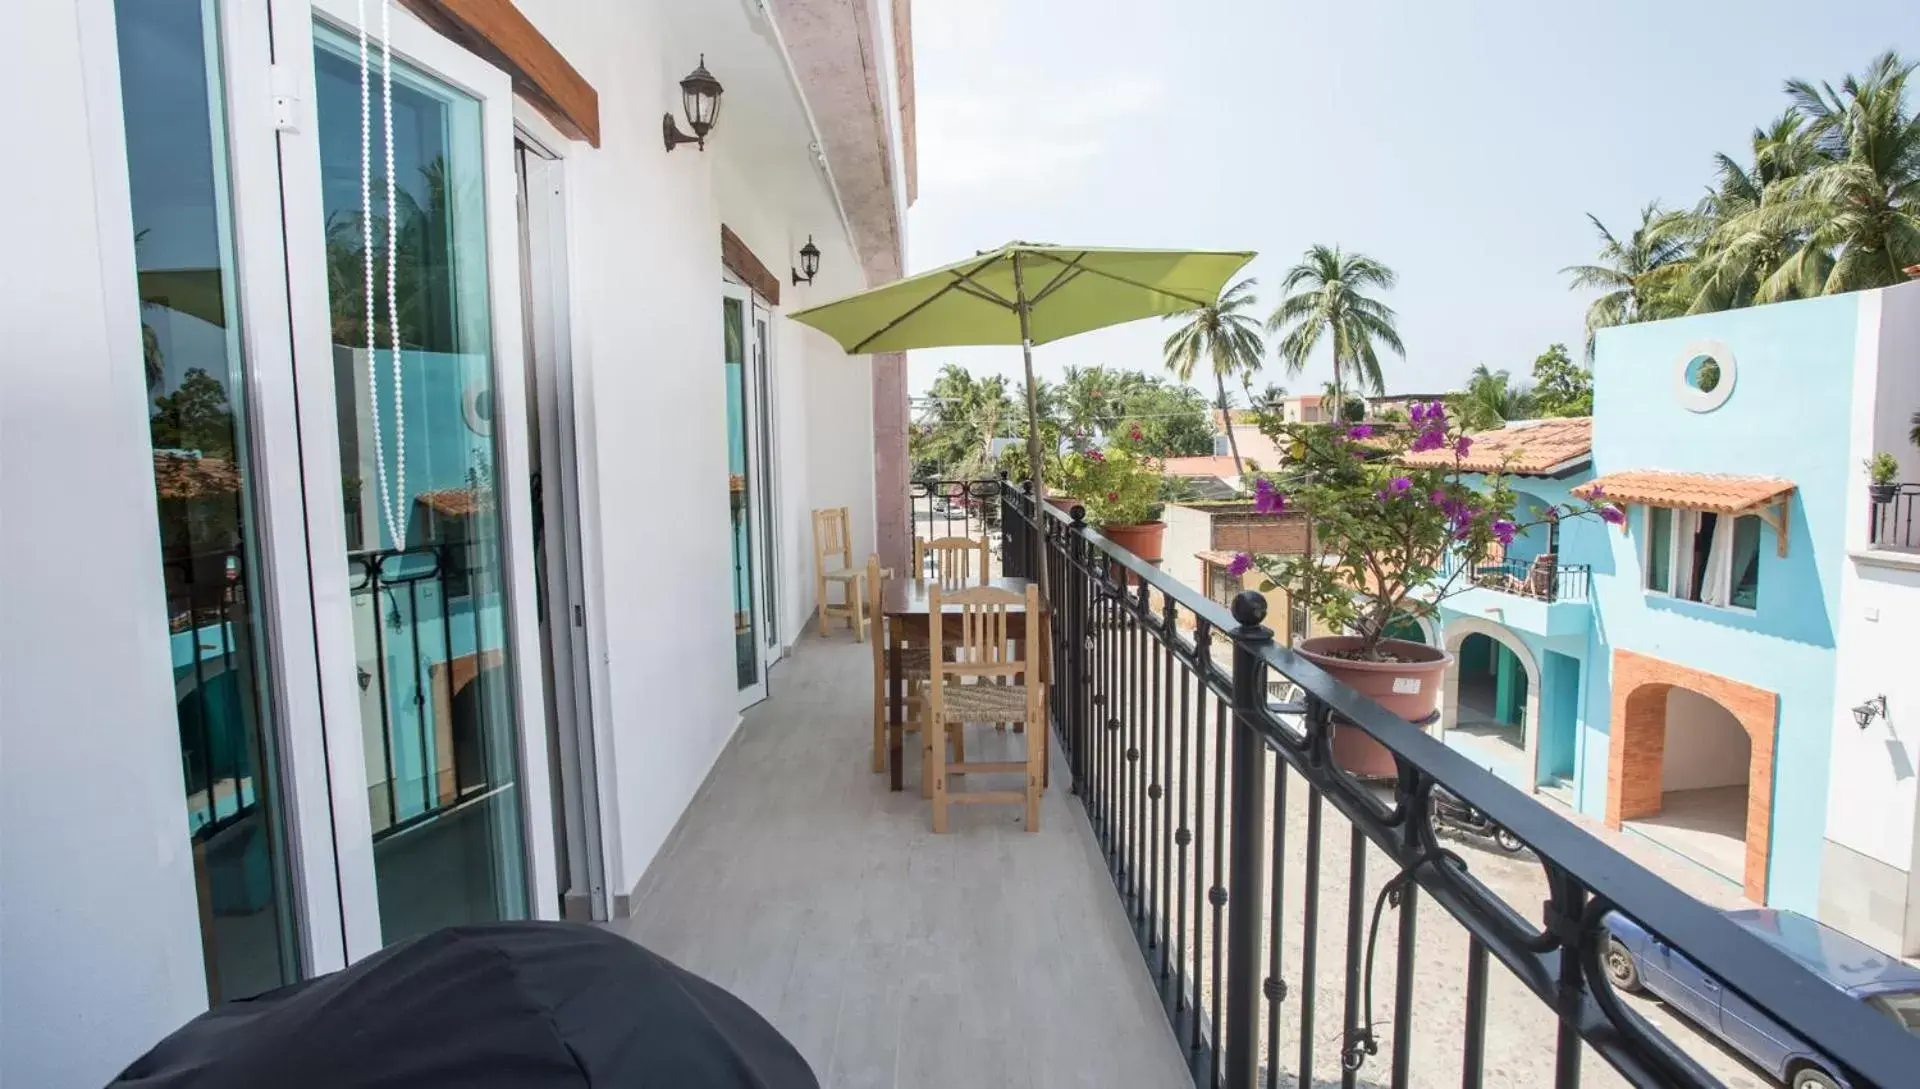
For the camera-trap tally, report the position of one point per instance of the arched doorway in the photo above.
(1691, 765)
(1491, 702)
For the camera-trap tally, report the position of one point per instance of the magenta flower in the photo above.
(1242, 563)
(1134, 433)
(1597, 491)
(1360, 431)
(1613, 516)
(1381, 495)
(1503, 531)
(1113, 497)
(1400, 484)
(1431, 439)
(1461, 447)
(1266, 498)
(1095, 455)
(1438, 498)
(1417, 413)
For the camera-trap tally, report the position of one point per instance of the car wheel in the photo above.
(1812, 1077)
(1506, 840)
(1624, 974)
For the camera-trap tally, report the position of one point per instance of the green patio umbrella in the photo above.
(1025, 294)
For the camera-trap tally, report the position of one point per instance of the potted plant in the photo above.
(1120, 489)
(1382, 535)
(1883, 474)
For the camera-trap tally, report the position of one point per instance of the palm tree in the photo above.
(1740, 249)
(961, 418)
(1492, 399)
(1327, 300)
(1859, 209)
(1228, 339)
(1641, 276)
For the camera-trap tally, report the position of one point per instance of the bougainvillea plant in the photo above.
(1118, 486)
(1389, 540)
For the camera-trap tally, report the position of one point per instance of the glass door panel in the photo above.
(423, 521)
(210, 541)
(745, 606)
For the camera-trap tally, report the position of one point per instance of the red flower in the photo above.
(1113, 497)
(1135, 434)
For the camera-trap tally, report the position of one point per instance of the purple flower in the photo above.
(1381, 495)
(1436, 414)
(1427, 440)
(1461, 447)
(1503, 531)
(1242, 563)
(1266, 498)
(1360, 431)
(1400, 484)
(1597, 491)
(1417, 413)
(1613, 516)
(1439, 498)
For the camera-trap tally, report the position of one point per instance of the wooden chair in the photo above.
(1005, 687)
(913, 667)
(831, 537)
(953, 559)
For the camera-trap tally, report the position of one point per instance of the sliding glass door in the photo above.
(198, 375)
(405, 205)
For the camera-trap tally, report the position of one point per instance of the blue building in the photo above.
(1675, 676)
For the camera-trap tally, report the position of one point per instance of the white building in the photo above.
(299, 661)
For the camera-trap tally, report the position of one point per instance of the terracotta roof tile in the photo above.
(456, 502)
(1692, 491)
(1524, 448)
(193, 476)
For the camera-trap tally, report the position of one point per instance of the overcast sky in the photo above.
(1462, 144)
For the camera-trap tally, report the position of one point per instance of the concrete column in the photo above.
(891, 467)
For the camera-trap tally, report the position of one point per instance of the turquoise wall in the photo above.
(1788, 417)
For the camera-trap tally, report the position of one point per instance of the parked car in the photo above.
(1637, 961)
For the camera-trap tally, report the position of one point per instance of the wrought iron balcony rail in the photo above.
(1893, 524)
(1184, 767)
(1541, 579)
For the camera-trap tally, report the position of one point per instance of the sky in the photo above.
(1462, 144)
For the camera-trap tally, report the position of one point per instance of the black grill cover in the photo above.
(505, 1006)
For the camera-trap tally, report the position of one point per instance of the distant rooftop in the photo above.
(1523, 447)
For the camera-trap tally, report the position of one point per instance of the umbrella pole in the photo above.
(1036, 468)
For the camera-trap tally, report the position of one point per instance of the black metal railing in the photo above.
(1893, 524)
(414, 592)
(218, 712)
(1206, 799)
(1541, 579)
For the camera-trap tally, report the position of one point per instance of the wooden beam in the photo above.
(495, 30)
(737, 256)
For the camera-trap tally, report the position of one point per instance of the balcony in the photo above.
(1541, 596)
(1893, 524)
(1210, 902)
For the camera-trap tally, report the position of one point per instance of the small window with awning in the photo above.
(1702, 533)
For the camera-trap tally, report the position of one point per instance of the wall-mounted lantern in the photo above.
(1865, 713)
(809, 263)
(700, 100)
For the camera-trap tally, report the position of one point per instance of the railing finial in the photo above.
(1250, 609)
(1079, 515)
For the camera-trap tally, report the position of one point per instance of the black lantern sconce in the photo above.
(1866, 712)
(700, 100)
(809, 263)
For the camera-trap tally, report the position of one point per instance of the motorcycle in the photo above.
(1452, 811)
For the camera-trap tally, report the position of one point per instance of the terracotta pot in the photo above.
(1143, 539)
(1409, 689)
(1062, 503)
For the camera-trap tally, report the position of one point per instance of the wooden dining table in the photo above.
(906, 608)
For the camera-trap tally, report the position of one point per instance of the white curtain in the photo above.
(1719, 571)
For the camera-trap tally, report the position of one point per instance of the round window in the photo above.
(1704, 375)
(477, 406)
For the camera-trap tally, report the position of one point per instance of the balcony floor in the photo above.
(986, 957)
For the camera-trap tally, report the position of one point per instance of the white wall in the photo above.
(646, 277)
(1706, 745)
(99, 934)
(1871, 798)
(1897, 383)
